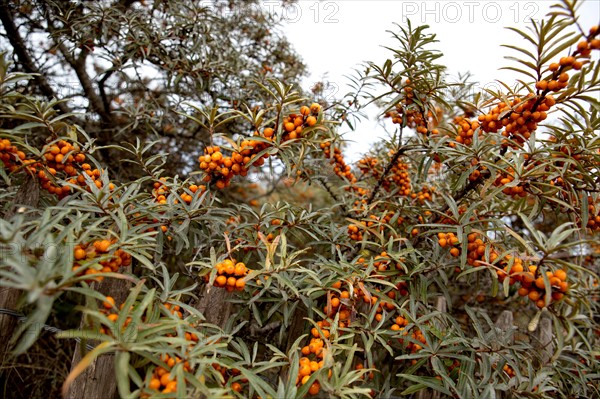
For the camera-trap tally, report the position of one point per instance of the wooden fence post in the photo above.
(545, 339)
(505, 321)
(98, 380)
(27, 196)
(214, 305)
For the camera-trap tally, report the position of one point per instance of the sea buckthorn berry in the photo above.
(109, 302)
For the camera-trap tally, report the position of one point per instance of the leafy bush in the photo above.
(459, 257)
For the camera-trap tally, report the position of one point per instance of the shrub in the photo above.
(456, 258)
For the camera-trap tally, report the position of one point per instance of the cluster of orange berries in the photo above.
(397, 177)
(9, 154)
(312, 355)
(308, 367)
(449, 240)
(339, 304)
(294, 124)
(534, 287)
(414, 117)
(560, 82)
(67, 158)
(506, 177)
(382, 263)
(509, 371)
(340, 167)
(465, 129)
(594, 215)
(416, 335)
(118, 259)
(354, 232)
(230, 373)
(220, 169)
(161, 379)
(160, 192)
(512, 267)
(368, 165)
(230, 275)
(476, 174)
(425, 194)
(383, 220)
(111, 312)
(519, 118)
(476, 248)
(559, 79)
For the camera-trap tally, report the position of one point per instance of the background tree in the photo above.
(130, 66)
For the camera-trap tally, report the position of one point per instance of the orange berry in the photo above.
(561, 274)
(165, 379)
(236, 386)
(304, 110)
(102, 245)
(240, 269)
(154, 384)
(229, 268)
(314, 366)
(109, 302)
(540, 303)
(314, 388)
(240, 284)
(289, 127)
(79, 254)
(221, 281)
(534, 295)
(304, 370)
(541, 85)
(539, 282)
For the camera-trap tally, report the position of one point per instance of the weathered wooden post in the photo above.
(545, 339)
(98, 380)
(28, 197)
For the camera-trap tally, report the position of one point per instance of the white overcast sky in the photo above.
(333, 37)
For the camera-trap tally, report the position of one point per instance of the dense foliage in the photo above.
(459, 257)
